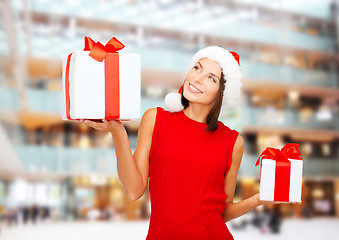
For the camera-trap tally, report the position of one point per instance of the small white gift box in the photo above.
(99, 83)
(281, 176)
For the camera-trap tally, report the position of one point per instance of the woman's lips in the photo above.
(193, 89)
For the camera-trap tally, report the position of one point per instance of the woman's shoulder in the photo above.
(151, 114)
(226, 128)
(148, 118)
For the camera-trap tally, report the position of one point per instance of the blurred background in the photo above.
(58, 179)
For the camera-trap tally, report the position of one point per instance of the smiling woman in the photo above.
(188, 157)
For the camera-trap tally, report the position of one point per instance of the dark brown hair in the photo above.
(212, 117)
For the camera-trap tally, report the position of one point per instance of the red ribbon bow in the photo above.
(290, 150)
(99, 51)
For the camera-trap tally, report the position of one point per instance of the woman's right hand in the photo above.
(105, 125)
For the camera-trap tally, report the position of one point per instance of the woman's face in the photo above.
(202, 82)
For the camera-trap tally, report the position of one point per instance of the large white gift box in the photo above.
(281, 174)
(100, 83)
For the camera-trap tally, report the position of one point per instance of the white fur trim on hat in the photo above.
(230, 68)
(173, 102)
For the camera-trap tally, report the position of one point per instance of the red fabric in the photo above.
(68, 114)
(282, 181)
(236, 57)
(112, 88)
(188, 167)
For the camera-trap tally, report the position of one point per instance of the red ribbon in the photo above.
(283, 168)
(67, 87)
(100, 52)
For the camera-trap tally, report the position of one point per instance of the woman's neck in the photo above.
(197, 112)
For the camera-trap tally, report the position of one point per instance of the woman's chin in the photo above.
(199, 101)
(190, 98)
(194, 100)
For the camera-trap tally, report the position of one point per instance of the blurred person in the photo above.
(108, 213)
(306, 211)
(275, 219)
(189, 157)
(241, 222)
(259, 217)
(35, 213)
(265, 228)
(43, 213)
(26, 214)
(104, 215)
(2, 215)
(47, 213)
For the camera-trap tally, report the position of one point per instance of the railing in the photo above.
(67, 160)
(319, 9)
(285, 74)
(287, 118)
(177, 61)
(50, 102)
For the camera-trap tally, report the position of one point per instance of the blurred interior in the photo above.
(55, 170)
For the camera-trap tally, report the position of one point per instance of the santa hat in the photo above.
(229, 62)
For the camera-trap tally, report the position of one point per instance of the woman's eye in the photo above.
(196, 67)
(212, 79)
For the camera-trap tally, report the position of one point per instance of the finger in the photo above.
(97, 120)
(93, 124)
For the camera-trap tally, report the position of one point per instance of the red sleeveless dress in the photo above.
(187, 172)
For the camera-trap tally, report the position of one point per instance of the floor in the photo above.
(296, 229)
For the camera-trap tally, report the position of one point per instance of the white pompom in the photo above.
(173, 102)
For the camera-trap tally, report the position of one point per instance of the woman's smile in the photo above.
(193, 89)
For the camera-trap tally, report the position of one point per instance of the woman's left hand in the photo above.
(261, 202)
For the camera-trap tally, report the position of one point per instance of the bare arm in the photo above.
(234, 210)
(133, 170)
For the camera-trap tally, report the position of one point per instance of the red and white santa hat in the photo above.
(229, 62)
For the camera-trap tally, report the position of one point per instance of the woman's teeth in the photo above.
(194, 89)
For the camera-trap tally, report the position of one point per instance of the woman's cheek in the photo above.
(212, 90)
(214, 94)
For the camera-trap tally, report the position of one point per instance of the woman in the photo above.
(189, 157)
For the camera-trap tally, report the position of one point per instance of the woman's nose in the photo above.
(198, 78)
